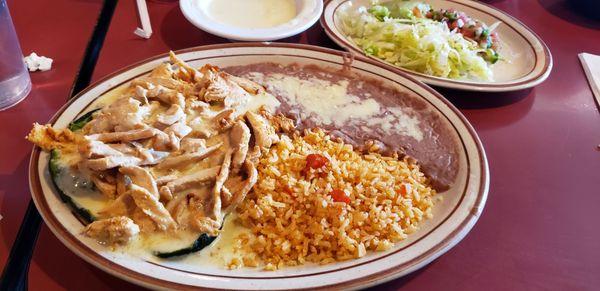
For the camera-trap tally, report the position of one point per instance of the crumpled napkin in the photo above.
(38, 63)
(591, 66)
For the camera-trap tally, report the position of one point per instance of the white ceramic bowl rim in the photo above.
(307, 15)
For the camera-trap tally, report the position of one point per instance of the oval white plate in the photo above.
(308, 12)
(453, 217)
(530, 60)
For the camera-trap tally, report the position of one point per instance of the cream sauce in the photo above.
(222, 250)
(218, 253)
(79, 188)
(252, 13)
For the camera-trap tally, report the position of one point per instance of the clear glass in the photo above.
(15, 83)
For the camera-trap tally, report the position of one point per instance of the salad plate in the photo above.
(524, 60)
(453, 214)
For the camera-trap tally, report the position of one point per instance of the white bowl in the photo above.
(307, 13)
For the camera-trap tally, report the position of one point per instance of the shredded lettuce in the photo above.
(391, 32)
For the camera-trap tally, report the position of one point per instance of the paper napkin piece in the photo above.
(38, 63)
(591, 66)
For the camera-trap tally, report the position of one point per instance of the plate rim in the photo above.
(529, 82)
(94, 258)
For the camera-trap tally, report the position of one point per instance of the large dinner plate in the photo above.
(454, 215)
(528, 60)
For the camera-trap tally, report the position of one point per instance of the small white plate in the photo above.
(453, 216)
(197, 12)
(529, 59)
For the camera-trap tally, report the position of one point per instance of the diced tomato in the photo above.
(452, 25)
(495, 40)
(404, 189)
(417, 12)
(468, 33)
(339, 196)
(314, 161)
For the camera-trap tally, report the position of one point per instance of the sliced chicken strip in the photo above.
(173, 141)
(247, 84)
(129, 116)
(111, 231)
(264, 133)
(93, 148)
(215, 88)
(180, 129)
(100, 123)
(146, 224)
(239, 139)
(224, 120)
(184, 208)
(188, 158)
(282, 123)
(163, 70)
(169, 139)
(226, 196)
(124, 136)
(151, 207)
(208, 126)
(253, 155)
(189, 144)
(197, 105)
(122, 115)
(108, 189)
(167, 95)
(220, 89)
(166, 82)
(215, 208)
(110, 162)
(173, 114)
(193, 73)
(164, 141)
(122, 206)
(197, 218)
(189, 181)
(121, 185)
(141, 177)
(165, 179)
(179, 209)
(124, 148)
(239, 187)
(150, 156)
(162, 92)
(204, 224)
(161, 141)
(48, 138)
(141, 94)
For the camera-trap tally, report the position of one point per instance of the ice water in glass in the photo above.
(14, 77)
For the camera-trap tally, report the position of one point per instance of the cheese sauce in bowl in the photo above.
(252, 20)
(253, 13)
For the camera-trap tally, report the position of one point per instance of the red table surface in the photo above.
(538, 230)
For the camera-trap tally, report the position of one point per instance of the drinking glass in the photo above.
(15, 83)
